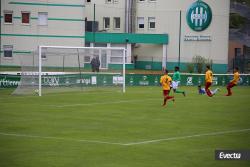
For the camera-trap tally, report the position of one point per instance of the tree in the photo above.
(199, 63)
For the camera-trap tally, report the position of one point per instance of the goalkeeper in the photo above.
(176, 81)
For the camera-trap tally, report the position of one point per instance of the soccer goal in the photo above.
(61, 69)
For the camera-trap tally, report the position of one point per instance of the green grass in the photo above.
(64, 129)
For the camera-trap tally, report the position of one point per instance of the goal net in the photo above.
(53, 69)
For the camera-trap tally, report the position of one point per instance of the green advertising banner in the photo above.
(9, 81)
(99, 79)
(186, 80)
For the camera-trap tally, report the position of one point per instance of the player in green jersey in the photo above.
(176, 81)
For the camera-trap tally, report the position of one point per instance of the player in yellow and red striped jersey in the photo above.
(234, 82)
(208, 81)
(165, 82)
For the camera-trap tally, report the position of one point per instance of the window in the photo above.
(43, 54)
(42, 18)
(87, 53)
(108, 1)
(117, 23)
(151, 22)
(117, 60)
(25, 17)
(140, 21)
(106, 22)
(87, 59)
(111, 1)
(237, 52)
(8, 17)
(87, 44)
(88, 1)
(8, 51)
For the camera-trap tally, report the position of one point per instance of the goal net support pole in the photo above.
(40, 70)
(123, 70)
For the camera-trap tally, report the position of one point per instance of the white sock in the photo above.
(215, 91)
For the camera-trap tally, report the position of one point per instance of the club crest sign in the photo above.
(199, 16)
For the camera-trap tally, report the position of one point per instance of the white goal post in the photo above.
(105, 49)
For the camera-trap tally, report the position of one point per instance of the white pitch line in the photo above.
(130, 101)
(125, 144)
(110, 102)
(99, 103)
(178, 99)
(59, 138)
(75, 93)
(186, 137)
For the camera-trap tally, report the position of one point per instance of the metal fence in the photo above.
(242, 63)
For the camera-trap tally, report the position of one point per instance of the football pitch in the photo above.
(112, 129)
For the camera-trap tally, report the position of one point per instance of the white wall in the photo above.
(167, 13)
(54, 30)
(104, 9)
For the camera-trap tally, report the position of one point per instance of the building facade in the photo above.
(163, 17)
(156, 33)
(26, 24)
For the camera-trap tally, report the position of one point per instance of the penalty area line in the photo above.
(187, 137)
(125, 144)
(101, 103)
(178, 99)
(59, 138)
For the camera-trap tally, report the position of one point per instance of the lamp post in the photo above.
(179, 56)
(126, 41)
(93, 26)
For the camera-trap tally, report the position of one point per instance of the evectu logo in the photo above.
(232, 154)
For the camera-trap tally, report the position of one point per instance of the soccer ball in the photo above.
(36, 91)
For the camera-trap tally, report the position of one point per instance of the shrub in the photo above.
(199, 63)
